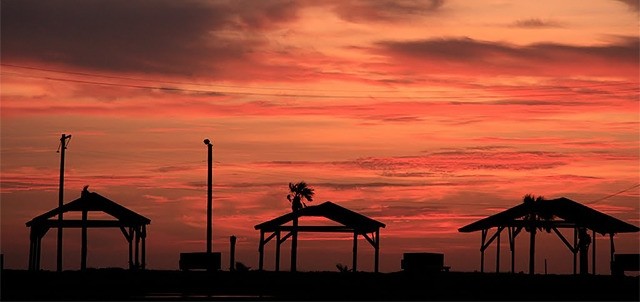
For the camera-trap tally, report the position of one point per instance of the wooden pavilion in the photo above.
(132, 225)
(549, 215)
(351, 222)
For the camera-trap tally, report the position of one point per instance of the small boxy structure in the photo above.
(423, 262)
(625, 262)
(200, 260)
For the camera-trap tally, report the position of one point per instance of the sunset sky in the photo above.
(423, 115)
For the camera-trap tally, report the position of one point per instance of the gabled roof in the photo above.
(330, 211)
(91, 201)
(566, 209)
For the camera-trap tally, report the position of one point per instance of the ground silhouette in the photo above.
(148, 285)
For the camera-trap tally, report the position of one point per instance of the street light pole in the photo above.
(209, 193)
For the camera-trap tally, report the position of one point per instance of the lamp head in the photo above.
(207, 141)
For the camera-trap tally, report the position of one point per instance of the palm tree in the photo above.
(532, 204)
(298, 192)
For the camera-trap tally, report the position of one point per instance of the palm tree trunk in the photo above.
(294, 244)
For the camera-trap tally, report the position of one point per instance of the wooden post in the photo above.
(612, 250)
(575, 250)
(137, 239)
(593, 255)
(144, 248)
(532, 249)
(130, 239)
(498, 251)
(83, 256)
(294, 243)
(278, 250)
(512, 247)
(38, 250)
(484, 237)
(377, 251)
(261, 251)
(355, 251)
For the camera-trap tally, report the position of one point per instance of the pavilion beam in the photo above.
(371, 240)
(495, 235)
(285, 237)
(564, 240)
(270, 237)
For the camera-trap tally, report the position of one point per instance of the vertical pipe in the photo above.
(232, 253)
(209, 192)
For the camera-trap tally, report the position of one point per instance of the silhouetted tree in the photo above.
(342, 268)
(297, 192)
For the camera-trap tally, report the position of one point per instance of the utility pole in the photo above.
(61, 150)
(209, 192)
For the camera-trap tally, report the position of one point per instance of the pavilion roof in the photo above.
(330, 211)
(572, 214)
(91, 201)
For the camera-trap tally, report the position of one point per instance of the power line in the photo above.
(514, 89)
(222, 93)
(614, 194)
